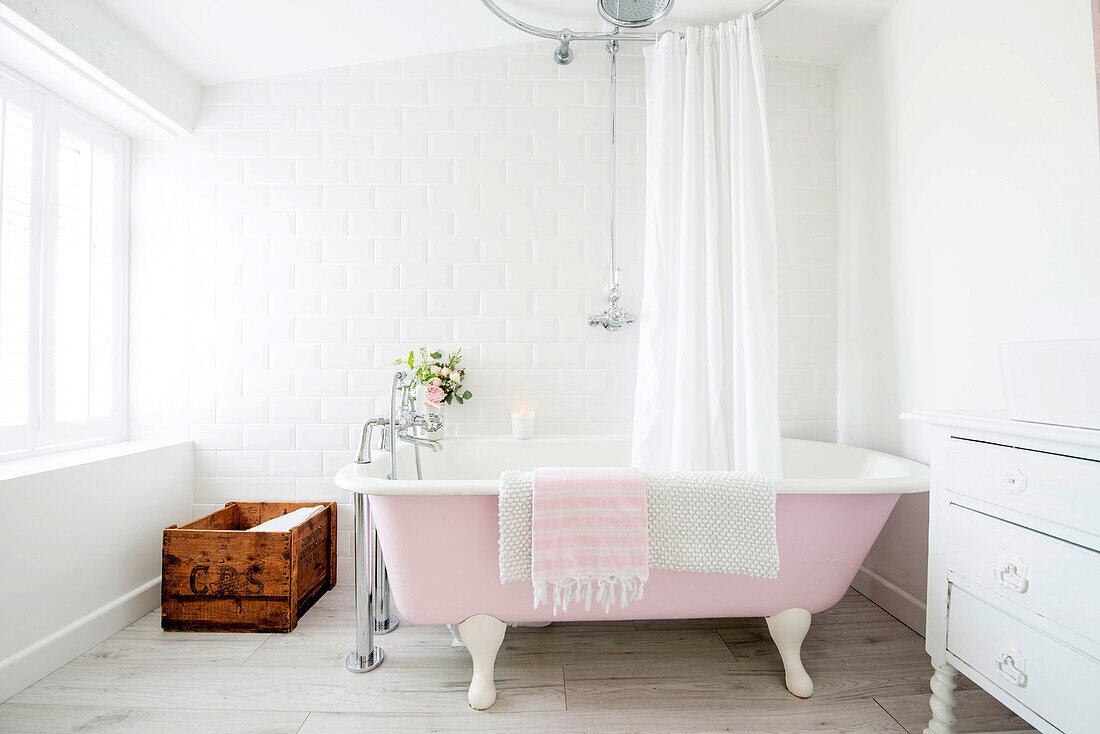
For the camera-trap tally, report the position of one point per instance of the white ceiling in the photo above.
(217, 41)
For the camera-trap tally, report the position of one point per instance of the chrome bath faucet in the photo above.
(400, 424)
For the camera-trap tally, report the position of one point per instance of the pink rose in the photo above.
(435, 369)
(434, 396)
(445, 371)
(436, 381)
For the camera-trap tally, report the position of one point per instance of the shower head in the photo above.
(633, 13)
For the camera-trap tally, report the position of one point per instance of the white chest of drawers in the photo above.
(1014, 568)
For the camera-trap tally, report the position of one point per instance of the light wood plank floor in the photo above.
(717, 675)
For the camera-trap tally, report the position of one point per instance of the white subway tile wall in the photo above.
(317, 227)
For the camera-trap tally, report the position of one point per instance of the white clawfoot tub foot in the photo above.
(942, 701)
(788, 630)
(482, 635)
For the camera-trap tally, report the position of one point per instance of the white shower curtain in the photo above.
(707, 390)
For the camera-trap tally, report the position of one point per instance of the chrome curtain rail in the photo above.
(565, 35)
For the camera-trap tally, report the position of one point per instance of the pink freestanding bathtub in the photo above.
(439, 539)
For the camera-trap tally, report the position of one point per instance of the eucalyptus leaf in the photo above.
(467, 395)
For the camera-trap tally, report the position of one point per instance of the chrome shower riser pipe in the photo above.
(613, 50)
(614, 317)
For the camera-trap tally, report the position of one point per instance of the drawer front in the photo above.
(1060, 489)
(1046, 575)
(1055, 681)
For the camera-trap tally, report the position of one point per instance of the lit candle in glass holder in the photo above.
(523, 423)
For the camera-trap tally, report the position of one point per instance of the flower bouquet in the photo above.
(440, 375)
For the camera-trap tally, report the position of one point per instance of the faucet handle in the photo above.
(427, 421)
(363, 454)
(614, 317)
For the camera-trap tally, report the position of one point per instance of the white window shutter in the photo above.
(63, 275)
(17, 140)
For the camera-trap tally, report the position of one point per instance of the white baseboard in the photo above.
(27, 666)
(909, 609)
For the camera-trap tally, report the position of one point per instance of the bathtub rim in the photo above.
(358, 478)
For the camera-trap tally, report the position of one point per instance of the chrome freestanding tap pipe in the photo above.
(366, 656)
(384, 621)
(373, 613)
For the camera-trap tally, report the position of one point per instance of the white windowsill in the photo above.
(18, 468)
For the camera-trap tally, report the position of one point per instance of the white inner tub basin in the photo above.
(473, 465)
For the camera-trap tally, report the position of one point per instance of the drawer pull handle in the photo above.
(1012, 574)
(1013, 667)
(1013, 481)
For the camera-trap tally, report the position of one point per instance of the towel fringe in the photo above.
(561, 592)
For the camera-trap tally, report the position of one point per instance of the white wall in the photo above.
(80, 51)
(970, 216)
(316, 227)
(81, 548)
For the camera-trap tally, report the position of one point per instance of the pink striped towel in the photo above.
(589, 534)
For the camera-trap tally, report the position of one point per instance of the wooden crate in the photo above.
(219, 578)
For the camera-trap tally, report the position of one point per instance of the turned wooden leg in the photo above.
(788, 630)
(482, 635)
(942, 702)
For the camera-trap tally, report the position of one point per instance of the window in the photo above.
(63, 278)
